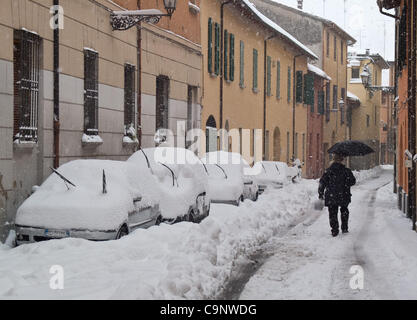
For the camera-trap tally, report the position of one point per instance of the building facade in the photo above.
(366, 119)
(250, 67)
(330, 43)
(62, 98)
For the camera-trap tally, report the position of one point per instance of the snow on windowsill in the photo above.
(93, 140)
(356, 81)
(129, 142)
(20, 144)
(193, 8)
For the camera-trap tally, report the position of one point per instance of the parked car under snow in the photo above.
(274, 175)
(228, 183)
(90, 199)
(182, 182)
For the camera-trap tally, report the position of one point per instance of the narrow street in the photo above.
(308, 263)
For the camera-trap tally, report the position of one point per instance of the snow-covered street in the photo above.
(308, 263)
(210, 260)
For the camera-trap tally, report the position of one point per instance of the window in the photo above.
(327, 44)
(368, 120)
(289, 85)
(335, 98)
(268, 76)
(216, 49)
(90, 92)
(335, 48)
(242, 64)
(375, 77)
(342, 108)
(255, 70)
(309, 90)
(210, 46)
(26, 65)
(375, 115)
(288, 147)
(278, 93)
(162, 97)
(299, 87)
(321, 103)
(328, 102)
(191, 112)
(296, 146)
(129, 119)
(232, 58)
(225, 55)
(355, 73)
(304, 147)
(342, 52)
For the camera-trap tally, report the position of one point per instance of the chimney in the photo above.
(368, 52)
(300, 4)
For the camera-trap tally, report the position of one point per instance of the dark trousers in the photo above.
(334, 221)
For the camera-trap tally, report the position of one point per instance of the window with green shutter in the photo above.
(299, 87)
(255, 69)
(232, 58)
(217, 49)
(268, 76)
(278, 93)
(242, 65)
(309, 90)
(289, 85)
(321, 103)
(210, 46)
(225, 55)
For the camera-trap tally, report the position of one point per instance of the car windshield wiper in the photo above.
(224, 172)
(147, 160)
(66, 181)
(174, 178)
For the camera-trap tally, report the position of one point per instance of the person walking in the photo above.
(335, 187)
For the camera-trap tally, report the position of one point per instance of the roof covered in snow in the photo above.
(318, 71)
(270, 24)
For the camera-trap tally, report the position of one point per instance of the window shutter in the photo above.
(309, 90)
(255, 69)
(328, 102)
(278, 93)
(321, 103)
(268, 74)
(210, 46)
(242, 64)
(289, 85)
(217, 49)
(232, 58)
(299, 87)
(225, 55)
(129, 114)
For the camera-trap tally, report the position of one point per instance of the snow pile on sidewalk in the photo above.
(182, 261)
(368, 174)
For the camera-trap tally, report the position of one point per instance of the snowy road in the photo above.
(308, 263)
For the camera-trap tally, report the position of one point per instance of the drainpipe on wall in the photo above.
(265, 76)
(221, 59)
(413, 104)
(139, 76)
(56, 90)
(293, 106)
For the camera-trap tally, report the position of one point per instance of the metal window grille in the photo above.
(90, 92)
(162, 97)
(26, 85)
(328, 102)
(129, 117)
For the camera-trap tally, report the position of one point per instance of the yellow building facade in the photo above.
(258, 83)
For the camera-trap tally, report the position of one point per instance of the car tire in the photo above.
(123, 231)
(158, 220)
(191, 217)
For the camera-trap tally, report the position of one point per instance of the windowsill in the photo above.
(129, 142)
(91, 141)
(213, 75)
(229, 81)
(24, 145)
(255, 90)
(242, 86)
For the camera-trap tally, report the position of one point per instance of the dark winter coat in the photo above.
(335, 185)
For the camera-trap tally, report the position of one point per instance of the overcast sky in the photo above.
(360, 18)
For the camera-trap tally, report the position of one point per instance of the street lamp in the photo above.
(365, 76)
(124, 20)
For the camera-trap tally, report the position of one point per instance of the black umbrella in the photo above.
(351, 148)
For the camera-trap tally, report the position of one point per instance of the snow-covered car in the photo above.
(182, 182)
(89, 199)
(227, 180)
(274, 175)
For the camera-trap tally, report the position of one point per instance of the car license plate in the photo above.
(56, 233)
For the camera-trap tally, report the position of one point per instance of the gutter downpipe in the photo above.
(56, 123)
(139, 76)
(221, 59)
(265, 76)
(293, 106)
(413, 118)
(388, 14)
